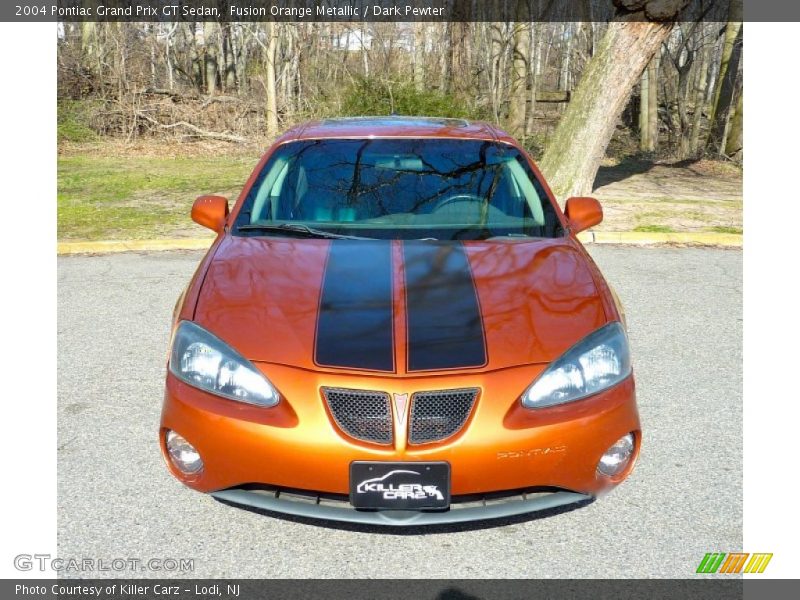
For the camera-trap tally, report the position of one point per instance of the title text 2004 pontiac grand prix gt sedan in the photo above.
(397, 325)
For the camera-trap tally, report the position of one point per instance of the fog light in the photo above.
(184, 456)
(616, 458)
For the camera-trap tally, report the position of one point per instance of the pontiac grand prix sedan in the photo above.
(397, 325)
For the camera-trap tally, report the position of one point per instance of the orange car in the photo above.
(396, 325)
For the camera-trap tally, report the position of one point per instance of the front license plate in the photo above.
(400, 485)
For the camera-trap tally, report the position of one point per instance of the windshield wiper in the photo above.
(300, 229)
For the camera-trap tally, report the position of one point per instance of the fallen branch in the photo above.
(226, 137)
(171, 93)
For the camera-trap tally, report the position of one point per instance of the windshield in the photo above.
(398, 189)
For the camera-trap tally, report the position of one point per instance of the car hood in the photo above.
(399, 307)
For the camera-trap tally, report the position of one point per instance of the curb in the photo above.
(638, 238)
(109, 246)
(643, 238)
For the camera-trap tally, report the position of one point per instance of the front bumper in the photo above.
(316, 506)
(296, 446)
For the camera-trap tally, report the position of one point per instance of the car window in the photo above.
(400, 188)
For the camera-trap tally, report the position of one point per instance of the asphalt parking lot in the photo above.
(117, 500)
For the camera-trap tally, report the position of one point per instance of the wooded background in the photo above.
(663, 87)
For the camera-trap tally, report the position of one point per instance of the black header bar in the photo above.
(389, 10)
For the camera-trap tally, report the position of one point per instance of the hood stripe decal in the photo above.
(444, 322)
(355, 318)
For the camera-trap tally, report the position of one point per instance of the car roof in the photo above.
(396, 126)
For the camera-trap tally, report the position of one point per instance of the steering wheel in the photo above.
(457, 198)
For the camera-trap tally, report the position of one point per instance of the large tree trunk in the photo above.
(580, 140)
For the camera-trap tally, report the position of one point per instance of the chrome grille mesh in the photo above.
(440, 414)
(363, 415)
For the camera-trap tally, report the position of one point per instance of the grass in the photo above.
(72, 124)
(725, 229)
(104, 197)
(654, 229)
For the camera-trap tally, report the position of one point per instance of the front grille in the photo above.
(438, 415)
(363, 415)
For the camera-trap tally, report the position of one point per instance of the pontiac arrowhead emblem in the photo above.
(400, 403)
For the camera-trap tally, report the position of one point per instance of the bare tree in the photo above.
(700, 86)
(726, 80)
(419, 55)
(211, 55)
(518, 92)
(648, 107)
(734, 143)
(272, 98)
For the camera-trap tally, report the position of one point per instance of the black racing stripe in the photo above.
(445, 327)
(355, 321)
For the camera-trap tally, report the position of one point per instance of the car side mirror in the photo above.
(211, 212)
(583, 212)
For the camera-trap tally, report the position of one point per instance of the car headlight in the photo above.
(600, 360)
(204, 361)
